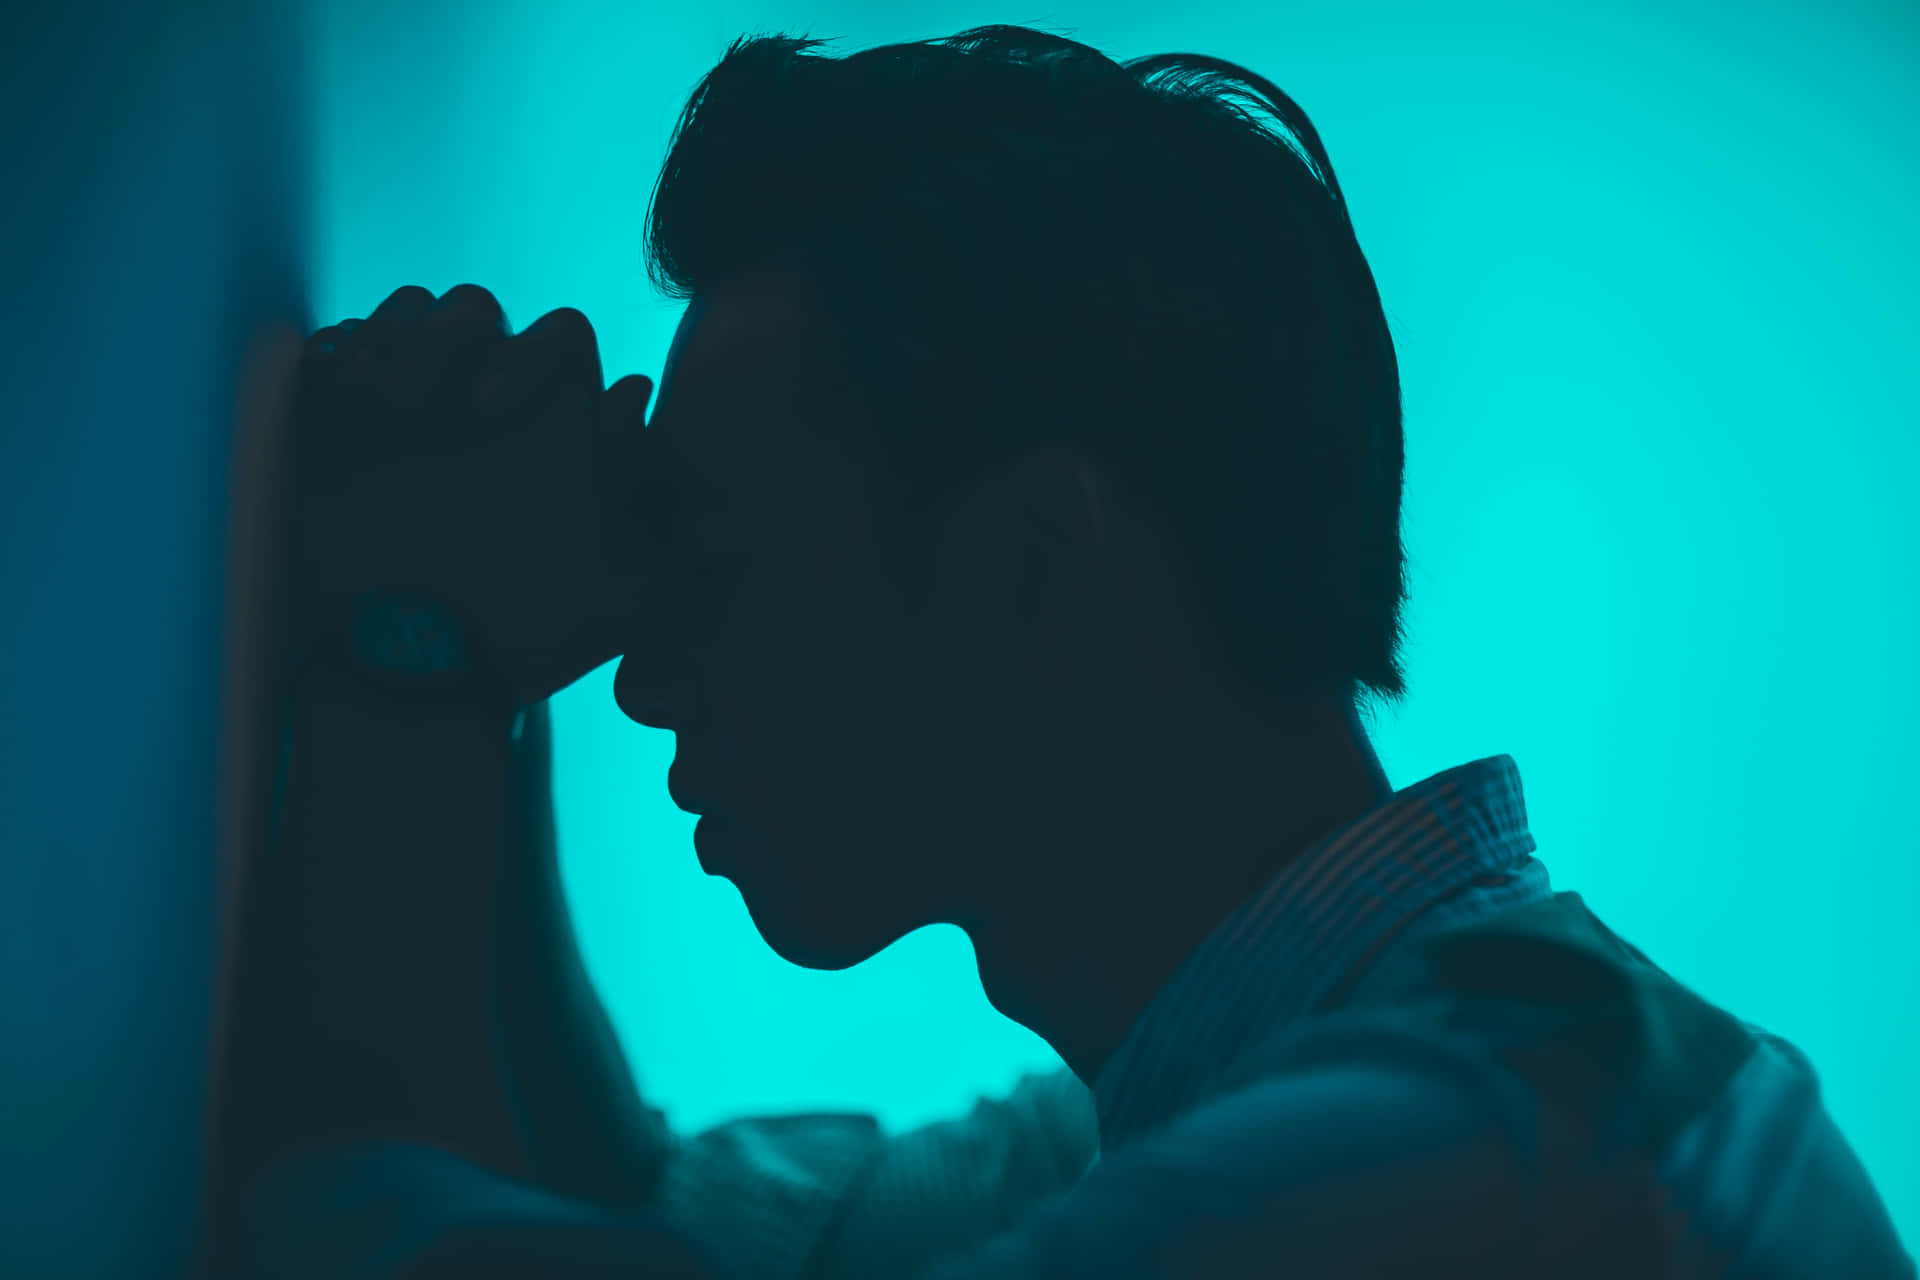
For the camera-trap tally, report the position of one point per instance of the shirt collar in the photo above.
(1298, 943)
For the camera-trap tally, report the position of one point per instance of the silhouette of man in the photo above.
(1014, 539)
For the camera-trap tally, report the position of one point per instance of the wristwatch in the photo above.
(402, 646)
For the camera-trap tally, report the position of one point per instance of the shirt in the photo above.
(1247, 1124)
(1253, 1125)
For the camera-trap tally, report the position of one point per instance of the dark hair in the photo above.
(1034, 246)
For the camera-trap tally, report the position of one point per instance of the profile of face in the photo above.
(840, 748)
(980, 759)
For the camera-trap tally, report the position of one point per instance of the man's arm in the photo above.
(363, 999)
(549, 1100)
(409, 974)
(588, 1131)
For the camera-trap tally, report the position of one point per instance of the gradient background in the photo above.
(1652, 296)
(1650, 273)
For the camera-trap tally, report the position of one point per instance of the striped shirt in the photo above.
(1246, 1120)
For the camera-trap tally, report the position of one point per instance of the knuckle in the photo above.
(399, 315)
(403, 307)
(469, 301)
(630, 394)
(332, 337)
(409, 295)
(564, 324)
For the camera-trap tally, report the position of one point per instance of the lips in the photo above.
(687, 799)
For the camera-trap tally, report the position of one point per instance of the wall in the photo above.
(150, 235)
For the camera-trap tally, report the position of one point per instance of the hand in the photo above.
(433, 454)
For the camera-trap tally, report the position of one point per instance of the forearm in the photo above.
(589, 1132)
(365, 1001)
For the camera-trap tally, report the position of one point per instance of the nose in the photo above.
(662, 701)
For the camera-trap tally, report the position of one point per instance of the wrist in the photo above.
(398, 652)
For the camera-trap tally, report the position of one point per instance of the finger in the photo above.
(466, 315)
(361, 357)
(403, 309)
(631, 534)
(556, 351)
(320, 355)
(621, 427)
(568, 335)
(624, 408)
(451, 344)
(325, 354)
(327, 341)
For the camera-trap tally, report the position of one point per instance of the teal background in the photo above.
(1650, 275)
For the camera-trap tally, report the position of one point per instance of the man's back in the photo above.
(1606, 1121)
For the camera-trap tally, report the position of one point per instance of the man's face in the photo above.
(789, 679)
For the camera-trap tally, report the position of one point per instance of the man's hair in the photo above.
(1032, 246)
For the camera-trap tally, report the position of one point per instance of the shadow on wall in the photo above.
(160, 242)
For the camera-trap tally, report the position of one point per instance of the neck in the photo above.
(1108, 895)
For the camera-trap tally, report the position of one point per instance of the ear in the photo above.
(1022, 572)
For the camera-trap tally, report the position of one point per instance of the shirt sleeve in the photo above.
(819, 1196)
(1370, 1166)
(831, 1198)
(951, 1186)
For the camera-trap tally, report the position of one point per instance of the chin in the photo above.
(814, 936)
(814, 912)
(810, 948)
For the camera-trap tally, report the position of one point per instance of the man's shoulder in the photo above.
(1353, 1081)
(1383, 1047)
(1294, 1166)
(1551, 993)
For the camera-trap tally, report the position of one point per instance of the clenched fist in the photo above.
(438, 460)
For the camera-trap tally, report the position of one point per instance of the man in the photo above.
(1014, 537)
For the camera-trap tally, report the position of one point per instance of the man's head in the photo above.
(1031, 447)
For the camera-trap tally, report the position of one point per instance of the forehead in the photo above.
(744, 381)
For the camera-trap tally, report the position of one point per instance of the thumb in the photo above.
(623, 407)
(619, 465)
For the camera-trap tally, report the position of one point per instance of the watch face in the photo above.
(408, 633)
